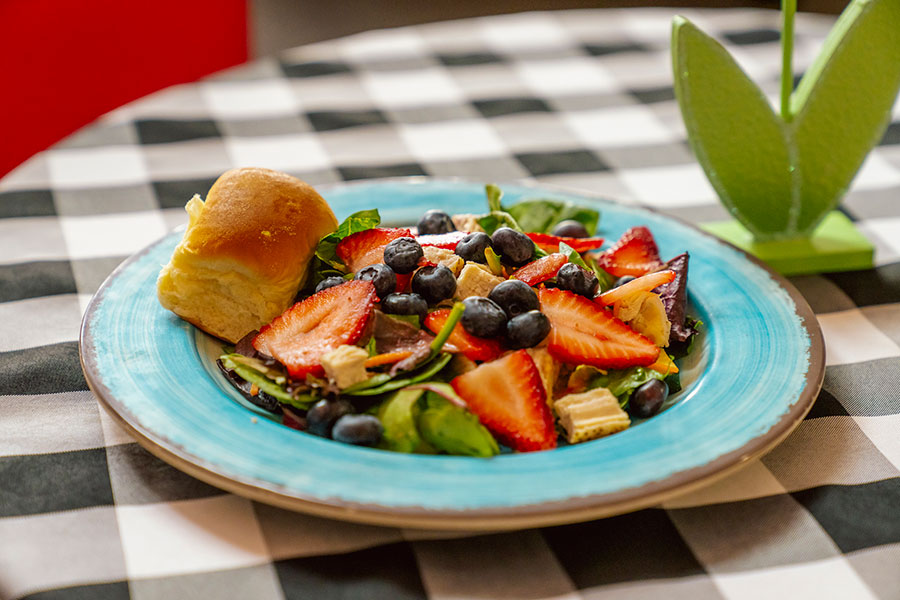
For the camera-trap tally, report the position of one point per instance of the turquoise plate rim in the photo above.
(705, 435)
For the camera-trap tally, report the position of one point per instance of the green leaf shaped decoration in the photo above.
(779, 175)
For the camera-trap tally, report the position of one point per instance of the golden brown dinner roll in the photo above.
(245, 251)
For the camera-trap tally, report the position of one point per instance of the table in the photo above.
(580, 99)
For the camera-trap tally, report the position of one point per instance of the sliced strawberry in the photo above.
(403, 282)
(550, 243)
(305, 332)
(509, 399)
(541, 269)
(583, 332)
(447, 241)
(404, 279)
(364, 248)
(472, 347)
(634, 254)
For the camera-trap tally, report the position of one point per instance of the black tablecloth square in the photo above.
(384, 573)
(27, 203)
(36, 279)
(163, 131)
(342, 119)
(636, 546)
(43, 483)
(498, 107)
(856, 516)
(42, 370)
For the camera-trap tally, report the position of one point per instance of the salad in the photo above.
(515, 328)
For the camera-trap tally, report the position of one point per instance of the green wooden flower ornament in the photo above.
(781, 174)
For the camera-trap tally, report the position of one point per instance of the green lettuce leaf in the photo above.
(398, 417)
(238, 364)
(494, 195)
(623, 382)
(496, 219)
(541, 215)
(358, 221)
(384, 383)
(452, 429)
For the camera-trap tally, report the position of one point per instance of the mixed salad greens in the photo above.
(515, 328)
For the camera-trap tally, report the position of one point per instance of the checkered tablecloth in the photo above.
(578, 99)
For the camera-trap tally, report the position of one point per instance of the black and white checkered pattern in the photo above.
(580, 99)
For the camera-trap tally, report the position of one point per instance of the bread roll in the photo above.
(245, 252)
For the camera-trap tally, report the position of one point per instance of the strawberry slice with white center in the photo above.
(541, 269)
(634, 254)
(314, 327)
(550, 243)
(447, 241)
(365, 248)
(509, 399)
(583, 332)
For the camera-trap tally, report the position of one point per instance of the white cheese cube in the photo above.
(590, 415)
(475, 280)
(346, 365)
(442, 256)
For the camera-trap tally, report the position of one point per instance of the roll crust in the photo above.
(245, 252)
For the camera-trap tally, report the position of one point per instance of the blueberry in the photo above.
(648, 398)
(570, 228)
(472, 247)
(434, 283)
(405, 304)
(515, 248)
(320, 418)
(577, 280)
(360, 430)
(514, 297)
(382, 276)
(403, 254)
(329, 282)
(527, 330)
(435, 221)
(623, 280)
(483, 317)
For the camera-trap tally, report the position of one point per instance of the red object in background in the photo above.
(66, 63)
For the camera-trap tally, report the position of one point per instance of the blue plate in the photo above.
(753, 377)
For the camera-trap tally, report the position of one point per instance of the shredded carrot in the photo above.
(663, 364)
(254, 389)
(387, 358)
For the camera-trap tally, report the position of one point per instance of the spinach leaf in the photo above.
(673, 380)
(398, 417)
(358, 221)
(372, 382)
(390, 384)
(573, 256)
(623, 382)
(263, 382)
(541, 215)
(318, 270)
(496, 219)
(437, 360)
(413, 320)
(452, 429)
(494, 195)
(606, 280)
